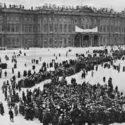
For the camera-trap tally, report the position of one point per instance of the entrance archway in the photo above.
(85, 41)
(95, 43)
(77, 40)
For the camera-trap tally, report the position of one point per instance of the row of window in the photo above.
(58, 28)
(111, 29)
(12, 41)
(29, 28)
(16, 28)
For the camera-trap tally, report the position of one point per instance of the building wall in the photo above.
(22, 28)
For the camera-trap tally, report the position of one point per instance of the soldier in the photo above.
(11, 115)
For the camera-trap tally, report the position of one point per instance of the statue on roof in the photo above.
(4, 5)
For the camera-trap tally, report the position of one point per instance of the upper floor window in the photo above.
(17, 28)
(51, 27)
(65, 28)
(60, 27)
(70, 28)
(45, 27)
(56, 28)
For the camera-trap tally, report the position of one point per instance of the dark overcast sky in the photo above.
(118, 5)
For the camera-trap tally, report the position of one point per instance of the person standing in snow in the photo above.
(16, 110)
(1, 109)
(11, 115)
(5, 74)
(12, 70)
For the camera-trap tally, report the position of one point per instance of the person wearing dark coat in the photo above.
(2, 109)
(11, 115)
(5, 74)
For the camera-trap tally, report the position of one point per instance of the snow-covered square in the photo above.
(24, 62)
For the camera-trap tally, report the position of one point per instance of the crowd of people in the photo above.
(60, 103)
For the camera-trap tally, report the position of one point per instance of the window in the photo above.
(8, 28)
(26, 28)
(17, 28)
(30, 28)
(34, 28)
(56, 28)
(65, 28)
(45, 27)
(55, 41)
(12, 28)
(115, 29)
(51, 27)
(107, 28)
(50, 19)
(13, 41)
(2, 27)
(70, 30)
(60, 27)
(65, 41)
(100, 28)
(69, 41)
(8, 41)
(38, 27)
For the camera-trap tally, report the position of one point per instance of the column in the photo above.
(91, 40)
(81, 38)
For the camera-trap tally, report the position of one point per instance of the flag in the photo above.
(80, 30)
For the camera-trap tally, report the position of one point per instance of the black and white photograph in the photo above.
(62, 62)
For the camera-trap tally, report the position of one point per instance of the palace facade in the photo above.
(55, 27)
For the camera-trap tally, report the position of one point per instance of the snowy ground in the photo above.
(47, 55)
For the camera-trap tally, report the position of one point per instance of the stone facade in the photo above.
(49, 27)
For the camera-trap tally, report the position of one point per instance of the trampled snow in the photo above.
(46, 54)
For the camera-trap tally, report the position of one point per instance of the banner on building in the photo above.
(80, 30)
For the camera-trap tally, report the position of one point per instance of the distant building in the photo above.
(55, 27)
